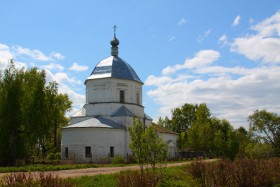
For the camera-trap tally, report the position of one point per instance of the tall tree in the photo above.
(26, 114)
(266, 125)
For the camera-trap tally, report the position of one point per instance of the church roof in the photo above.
(123, 111)
(163, 129)
(96, 122)
(114, 67)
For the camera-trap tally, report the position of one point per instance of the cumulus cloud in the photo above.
(57, 56)
(230, 98)
(231, 92)
(5, 55)
(77, 67)
(36, 54)
(182, 21)
(264, 45)
(202, 58)
(53, 66)
(236, 21)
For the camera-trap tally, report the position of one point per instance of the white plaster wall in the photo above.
(172, 146)
(110, 108)
(108, 90)
(99, 139)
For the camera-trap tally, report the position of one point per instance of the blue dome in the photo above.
(114, 67)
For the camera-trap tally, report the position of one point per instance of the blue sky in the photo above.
(223, 53)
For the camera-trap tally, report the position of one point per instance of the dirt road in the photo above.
(101, 170)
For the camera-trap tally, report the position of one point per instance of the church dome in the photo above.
(114, 67)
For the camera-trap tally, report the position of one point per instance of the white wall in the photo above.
(99, 139)
(171, 140)
(107, 90)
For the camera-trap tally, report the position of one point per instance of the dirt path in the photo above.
(101, 170)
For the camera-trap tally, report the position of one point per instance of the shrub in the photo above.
(29, 180)
(118, 160)
(136, 179)
(241, 172)
(51, 156)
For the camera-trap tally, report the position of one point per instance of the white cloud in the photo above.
(53, 66)
(200, 38)
(236, 21)
(223, 40)
(31, 53)
(202, 58)
(57, 56)
(5, 55)
(230, 98)
(182, 21)
(77, 99)
(264, 45)
(77, 67)
(36, 54)
(232, 93)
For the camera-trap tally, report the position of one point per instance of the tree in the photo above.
(156, 148)
(137, 143)
(26, 114)
(266, 125)
(147, 146)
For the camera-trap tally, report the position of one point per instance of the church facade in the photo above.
(113, 99)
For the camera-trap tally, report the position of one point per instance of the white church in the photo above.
(113, 98)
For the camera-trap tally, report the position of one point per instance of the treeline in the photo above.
(200, 132)
(31, 114)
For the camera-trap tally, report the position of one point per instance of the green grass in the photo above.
(98, 181)
(173, 176)
(47, 167)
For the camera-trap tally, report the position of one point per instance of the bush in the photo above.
(241, 172)
(118, 160)
(24, 179)
(51, 156)
(136, 179)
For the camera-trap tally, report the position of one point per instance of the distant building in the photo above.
(113, 98)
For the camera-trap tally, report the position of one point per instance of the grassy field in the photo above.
(173, 176)
(51, 167)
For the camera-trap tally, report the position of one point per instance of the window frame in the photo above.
(112, 151)
(122, 96)
(87, 152)
(66, 153)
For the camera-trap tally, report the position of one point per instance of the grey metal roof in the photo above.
(114, 67)
(96, 122)
(123, 111)
(79, 113)
(147, 117)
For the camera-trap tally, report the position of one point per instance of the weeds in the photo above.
(32, 180)
(136, 179)
(241, 172)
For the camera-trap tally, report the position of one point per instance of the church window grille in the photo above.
(88, 152)
(137, 98)
(111, 151)
(122, 96)
(66, 152)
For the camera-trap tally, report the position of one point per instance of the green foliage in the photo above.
(266, 125)
(147, 146)
(27, 116)
(118, 159)
(258, 150)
